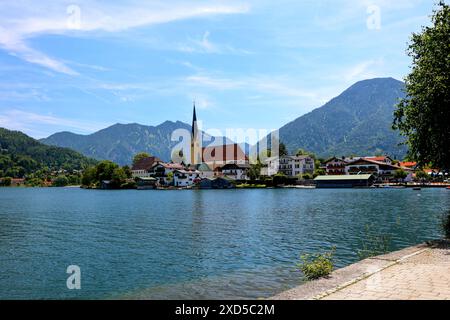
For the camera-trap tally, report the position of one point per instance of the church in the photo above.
(214, 156)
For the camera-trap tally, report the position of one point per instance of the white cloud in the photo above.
(31, 123)
(205, 45)
(281, 86)
(22, 20)
(364, 70)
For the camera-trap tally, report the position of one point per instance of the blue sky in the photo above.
(83, 65)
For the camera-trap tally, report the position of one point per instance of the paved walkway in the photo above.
(416, 273)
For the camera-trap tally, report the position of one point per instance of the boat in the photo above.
(417, 188)
(448, 188)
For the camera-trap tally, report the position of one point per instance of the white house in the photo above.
(367, 166)
(186, 178)
(235, 171)
(291, 166)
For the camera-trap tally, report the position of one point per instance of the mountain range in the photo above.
(357, 122)
(120, 142)
(21, 155)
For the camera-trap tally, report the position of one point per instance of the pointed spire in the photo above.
(194, 121)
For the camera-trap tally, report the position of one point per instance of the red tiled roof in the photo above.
(176, 166)
(380, 158)
(380, 163)
(146, 163)
(224, 153)
(408, 164)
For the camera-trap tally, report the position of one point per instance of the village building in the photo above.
(336, 166)
(186, 178)
(216, 183)
(218, 156)
(384, 159)
(291, 166)
(382, 169)
(144, 167)
(344, 181)
(205, 170)
(146, 183)
(235, 171)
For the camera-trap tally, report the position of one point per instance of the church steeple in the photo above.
(195, 141)
(194, 122)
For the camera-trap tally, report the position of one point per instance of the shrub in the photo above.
(6, 182)
(307, 176)
(446, 225)
(316, 266)
(60, 181)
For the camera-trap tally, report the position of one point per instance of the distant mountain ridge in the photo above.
(120, 142)
(357, 122)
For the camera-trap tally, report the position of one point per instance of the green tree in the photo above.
(301, 152)
(127, 171)
(422, 175)
(118, 177)
(320, 172)
(5, 182)
(255, 171)
(400, 175)
(423, 116)
(74, 179)
(283, 150)
(141, 155)
(307, 176)
(60, 181)
(170, 176)
(105, 170)
(89, 176)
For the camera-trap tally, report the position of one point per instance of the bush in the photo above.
(60, 181)
(316, 266)
(307, 176)
(129, 185)
(446, 225)
(6, 182)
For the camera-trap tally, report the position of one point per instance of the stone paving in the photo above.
(416, 273)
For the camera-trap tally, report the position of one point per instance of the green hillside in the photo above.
(21, 155)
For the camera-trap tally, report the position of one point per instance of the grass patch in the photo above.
(251, 186)
(316, 266)
(373, 244)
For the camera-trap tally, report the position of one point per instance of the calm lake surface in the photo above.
(193, 244)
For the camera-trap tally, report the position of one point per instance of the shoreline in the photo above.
(389, 276)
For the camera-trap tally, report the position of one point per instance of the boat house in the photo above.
(346, 181)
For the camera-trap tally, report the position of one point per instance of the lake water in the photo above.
(193, 244)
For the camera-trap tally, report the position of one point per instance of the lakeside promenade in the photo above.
(417, 273)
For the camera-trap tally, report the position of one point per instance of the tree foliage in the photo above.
(283, 150)
(423, 116)
(400, 174)
(106, 171)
